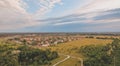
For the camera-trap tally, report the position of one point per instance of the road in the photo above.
(62, 60)
(67, 57)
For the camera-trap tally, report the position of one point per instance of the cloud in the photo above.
(99, 5)
(88, 18)
(46, 6)
(95, 12)
(14, 15)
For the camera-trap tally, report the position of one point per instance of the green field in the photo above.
(57, 60)
(71, 48)
(71, 62)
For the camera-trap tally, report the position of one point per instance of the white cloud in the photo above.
(46, 6)
(88, 21)
(13, 13)
(16, 5)
(110, 16)
(97, 8)
(99, 5)
(94, 8)
(64, 23)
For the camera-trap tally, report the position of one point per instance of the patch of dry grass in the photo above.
(72, 47)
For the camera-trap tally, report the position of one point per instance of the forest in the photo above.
(98, 55)
(15, 55)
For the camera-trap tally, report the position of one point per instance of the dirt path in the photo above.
(62, 60)
(67, 57)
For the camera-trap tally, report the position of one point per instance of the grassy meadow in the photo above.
(71, 48)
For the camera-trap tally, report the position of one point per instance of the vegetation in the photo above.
(71, 62)
(71, 48)
(98, 55)
(95, 52)
(116, 52)
(89, 36)
(13, 55)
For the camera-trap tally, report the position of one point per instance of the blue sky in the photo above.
(59, 15)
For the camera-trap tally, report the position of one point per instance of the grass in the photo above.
(10, 44)
(57, 60)
(71, 48)
(70, 62)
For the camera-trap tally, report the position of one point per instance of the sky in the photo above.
(59, 15)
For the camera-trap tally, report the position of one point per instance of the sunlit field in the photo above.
(71, 48)
(71, 62)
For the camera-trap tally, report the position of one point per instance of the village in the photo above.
(42, 40)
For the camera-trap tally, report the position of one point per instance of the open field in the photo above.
(10, 44)
(71, 48)
(71, 62)
(57, 60)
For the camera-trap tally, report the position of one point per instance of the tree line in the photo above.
(108, 55)
(25, 56)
